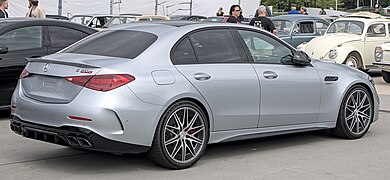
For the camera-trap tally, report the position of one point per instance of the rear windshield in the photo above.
(121, 43)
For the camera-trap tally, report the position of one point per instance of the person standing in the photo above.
(322, 11)
(235, 12)
(34, 10)
(220, 12)
(3, 7)
(262, 21)
(304, 11)
(293, 10)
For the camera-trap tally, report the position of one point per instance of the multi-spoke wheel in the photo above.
(356, 114)
(181, 136)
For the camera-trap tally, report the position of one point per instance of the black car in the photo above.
(22, 38)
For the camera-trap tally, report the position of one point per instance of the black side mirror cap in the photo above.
(301, 58)
(3, 49)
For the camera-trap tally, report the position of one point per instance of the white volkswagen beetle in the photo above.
(351, 40)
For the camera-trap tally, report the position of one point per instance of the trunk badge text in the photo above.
(85, 71)
(46, 67)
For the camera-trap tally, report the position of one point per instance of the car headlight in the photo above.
(378, 54)
(332, 53)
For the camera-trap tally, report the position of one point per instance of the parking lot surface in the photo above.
(310, 155)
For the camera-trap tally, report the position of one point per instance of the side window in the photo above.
(23, 38)
(304, 28)
(265, 49)
(184, 54)
(321, 27)
(215, 46)
(61, 36)
(376, 30)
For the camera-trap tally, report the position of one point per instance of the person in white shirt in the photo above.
(34, 10)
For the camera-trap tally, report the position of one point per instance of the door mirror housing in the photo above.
(3, 49)
(301, 58)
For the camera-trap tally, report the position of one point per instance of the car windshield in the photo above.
(81, 19)
(177, 18)
(352, 27)
(283, 27)
(120, 20)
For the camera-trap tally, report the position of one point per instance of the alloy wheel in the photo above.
(184, 135)
(358, 112)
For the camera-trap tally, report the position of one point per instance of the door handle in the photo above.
(270, 75)
(35, 56)
(201, 76)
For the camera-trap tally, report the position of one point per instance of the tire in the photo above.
(180, 142)
(354, 60)
(386, 76)
(355, 114)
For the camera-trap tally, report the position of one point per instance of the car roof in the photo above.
(160, 27)
(6, 23)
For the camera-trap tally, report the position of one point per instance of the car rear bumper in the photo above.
(72, 136)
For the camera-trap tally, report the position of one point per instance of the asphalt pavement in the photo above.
(310, 155)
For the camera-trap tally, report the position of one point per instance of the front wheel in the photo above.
(355, 114)
(353, 60)
(386, 76)
(181, 136)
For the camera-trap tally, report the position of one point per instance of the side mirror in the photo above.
(301, 58)
(3, 49)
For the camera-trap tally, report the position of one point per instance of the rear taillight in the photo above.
(103, 83)
(24, 74)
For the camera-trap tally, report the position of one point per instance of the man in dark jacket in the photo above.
(262, 21)
(3, 7)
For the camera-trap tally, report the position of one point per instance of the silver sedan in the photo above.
(169, 89)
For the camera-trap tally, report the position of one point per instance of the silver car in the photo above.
(171, 88)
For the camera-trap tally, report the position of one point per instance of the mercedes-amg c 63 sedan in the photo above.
(169, 89)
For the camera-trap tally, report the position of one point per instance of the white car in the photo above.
(382, 58)
(351, 40)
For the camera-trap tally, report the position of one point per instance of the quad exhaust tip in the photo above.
(79, 141)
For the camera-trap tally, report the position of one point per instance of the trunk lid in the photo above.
(47, 80)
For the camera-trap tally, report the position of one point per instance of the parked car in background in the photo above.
(153, 18)
(216, 19)
(187, 18)
(58, 17)
(123, 19)
(296, 29)
(351, 40)
(91, 20)
(22, 38)
(183, 85)
(382, 60)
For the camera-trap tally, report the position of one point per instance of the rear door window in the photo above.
(23, 38)
(63, 36)
(215, 46)
(121, 43)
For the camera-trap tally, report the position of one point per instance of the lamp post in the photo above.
(59, 7)
(191, 7)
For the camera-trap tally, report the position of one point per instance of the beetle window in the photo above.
(376, 30)
(304, 28)
(353, 27)
(282, 27)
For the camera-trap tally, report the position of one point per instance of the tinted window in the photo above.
(125, 44)
(263, 48)
(184, 54)
(62, 36)
(215, 46)
(23, 38)
(304, 28)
